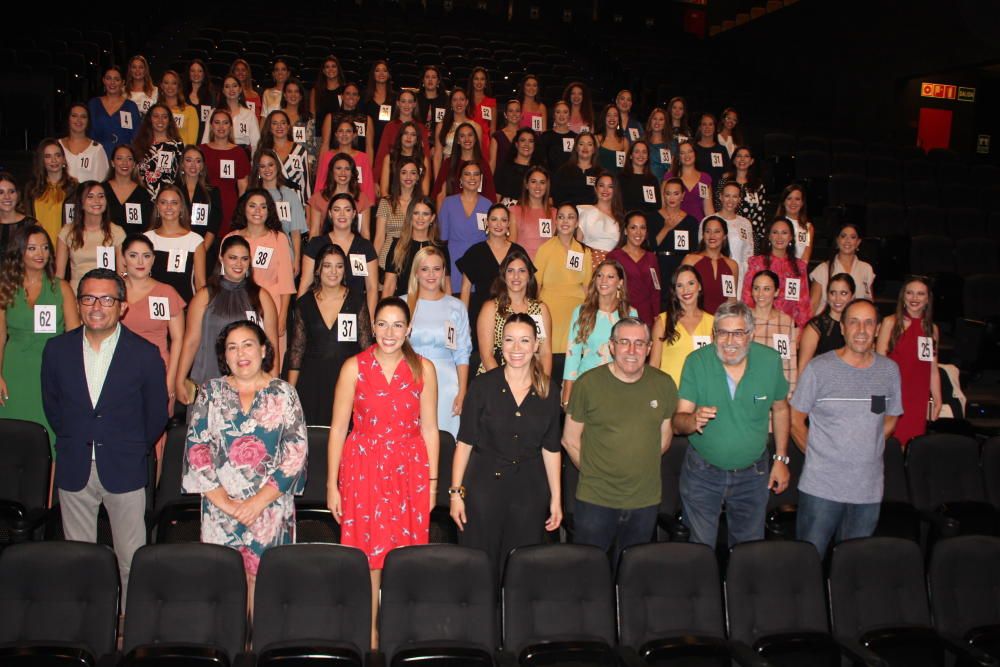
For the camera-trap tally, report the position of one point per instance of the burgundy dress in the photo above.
(915, 376)
(711, 283)
(643, 281)
(384, 483)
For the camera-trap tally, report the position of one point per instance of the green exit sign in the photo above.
(966, 94)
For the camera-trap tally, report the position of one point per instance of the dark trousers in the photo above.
(612, 530)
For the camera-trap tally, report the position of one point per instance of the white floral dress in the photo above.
(243, 451)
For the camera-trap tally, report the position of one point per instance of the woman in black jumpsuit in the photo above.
(505, 476)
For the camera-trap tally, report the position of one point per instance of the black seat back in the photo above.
(991, 469)
(668, 589)
(187, 594)
(425, 601)
(964, 584)
(759, 604)
(944, 468)
(309, 591)
(59, 592)
(556, 591)
(876, 582)
(25, 463)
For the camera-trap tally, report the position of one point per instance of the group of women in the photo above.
(420, 260)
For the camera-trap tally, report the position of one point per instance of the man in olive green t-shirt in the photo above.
(729, 390)
(617, 428)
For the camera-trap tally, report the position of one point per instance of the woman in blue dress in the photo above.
(440, 332)
(463, 218)
(246, 449)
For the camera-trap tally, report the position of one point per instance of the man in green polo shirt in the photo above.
(617, 428)
(729, 390)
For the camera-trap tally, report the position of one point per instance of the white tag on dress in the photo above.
(254, 317)
(568, 144)
(284, 211)
(545, 228)
(701, 341)
(717, 160)
(656, 278)
(176, 261)
(450, 337)
(486, 112)
(664, 156)
(227, 169)
(539, 326)
(925, 348)
(159, 308)
(649, 194)
(359, 265)
(179, 120)
(299, 134)
(536, 123)
(347, 327)
(591, 181)
(703, 191)
(106, 257)
(574, 260)
(206, 111)
(164, 159)
(481, 221)
(45, 319)
(199, 214)
(681, 240)
(792, 288)
(262, 257)
(783, 345)
(728, 286)
(439, 113)
(384, 112)
(633, 133)
(125, 120)
(362, 128)
(133, 214)
(620, 158)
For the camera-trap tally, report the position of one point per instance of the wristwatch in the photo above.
(457, 491)
(779, 457)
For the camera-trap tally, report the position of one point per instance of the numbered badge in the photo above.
(701, 341)
(620, 159)
(591, 181)
(45, 319)
(664, 156)
(199, 214)
(450, 336)
(262, 257)
(681, 240)
(159, 308)
(752, 198)
(284, 211)
(133, 214)
(125, 120)
(574, 260)
(649, 194)
(359, 266)
(545, 228)
(728, 286)
(783, 345)
(252, 106)
(656, 278)
(164, 160)
(703, 191)
(536, 123)
(803, 237)
(925, 348)
(361, 179)
(568, 144)
(347, 327)
(294, 163)
(439, 114)
(177, 261)
(481, 221)
(206, 111)
(227, 169)
(84, 162)
(793, 287)
(299, 134)
(362, 128)
(106, 257)
(717, 160)
(539, 326)
(633, 133)
(69, 213)
(255, 318)
(179, 120)
(384, 112)
(486, 112)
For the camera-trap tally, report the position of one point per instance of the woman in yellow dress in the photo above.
(564, 268)
(683, 327)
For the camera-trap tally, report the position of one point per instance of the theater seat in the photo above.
(25, 467)
(964, 584)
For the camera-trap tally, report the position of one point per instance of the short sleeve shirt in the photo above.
(620, 450)
(738, 435)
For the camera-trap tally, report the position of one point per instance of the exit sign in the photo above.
(966, 94)
(941, 91)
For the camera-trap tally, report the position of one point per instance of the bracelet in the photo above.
(457, 491)
(432, 479)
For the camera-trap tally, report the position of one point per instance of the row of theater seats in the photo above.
(944, 485)
(558, 605)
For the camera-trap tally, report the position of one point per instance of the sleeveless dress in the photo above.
(384, 470)
(830, 335)
(22, 359)
(230, 304)
(915, 376)
(712, 282)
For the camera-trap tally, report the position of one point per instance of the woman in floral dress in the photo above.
(246, 450)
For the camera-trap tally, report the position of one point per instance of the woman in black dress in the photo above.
(505, 488)
(420, 229)
(330, 324)
(822, 333)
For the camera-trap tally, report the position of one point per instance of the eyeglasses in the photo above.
(637, 344)
(90, 300)
(738, 334)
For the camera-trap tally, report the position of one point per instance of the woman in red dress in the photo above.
(910, 338)
(383, 477)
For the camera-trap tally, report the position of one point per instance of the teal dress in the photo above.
(596, 350)
(22, 358)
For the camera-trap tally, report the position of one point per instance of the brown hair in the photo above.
(587, 318)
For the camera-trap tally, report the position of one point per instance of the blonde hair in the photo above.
(413, 289)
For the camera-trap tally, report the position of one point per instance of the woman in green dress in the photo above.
(35, 305)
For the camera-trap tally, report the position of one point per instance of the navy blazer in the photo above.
(129, 417)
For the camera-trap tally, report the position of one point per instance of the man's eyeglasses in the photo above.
(738, 334)
(90, 300)
(637, 344)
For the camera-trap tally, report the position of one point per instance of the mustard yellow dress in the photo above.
(560, 287)
(674, 354)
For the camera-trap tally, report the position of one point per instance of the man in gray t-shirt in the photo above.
(852, 399)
